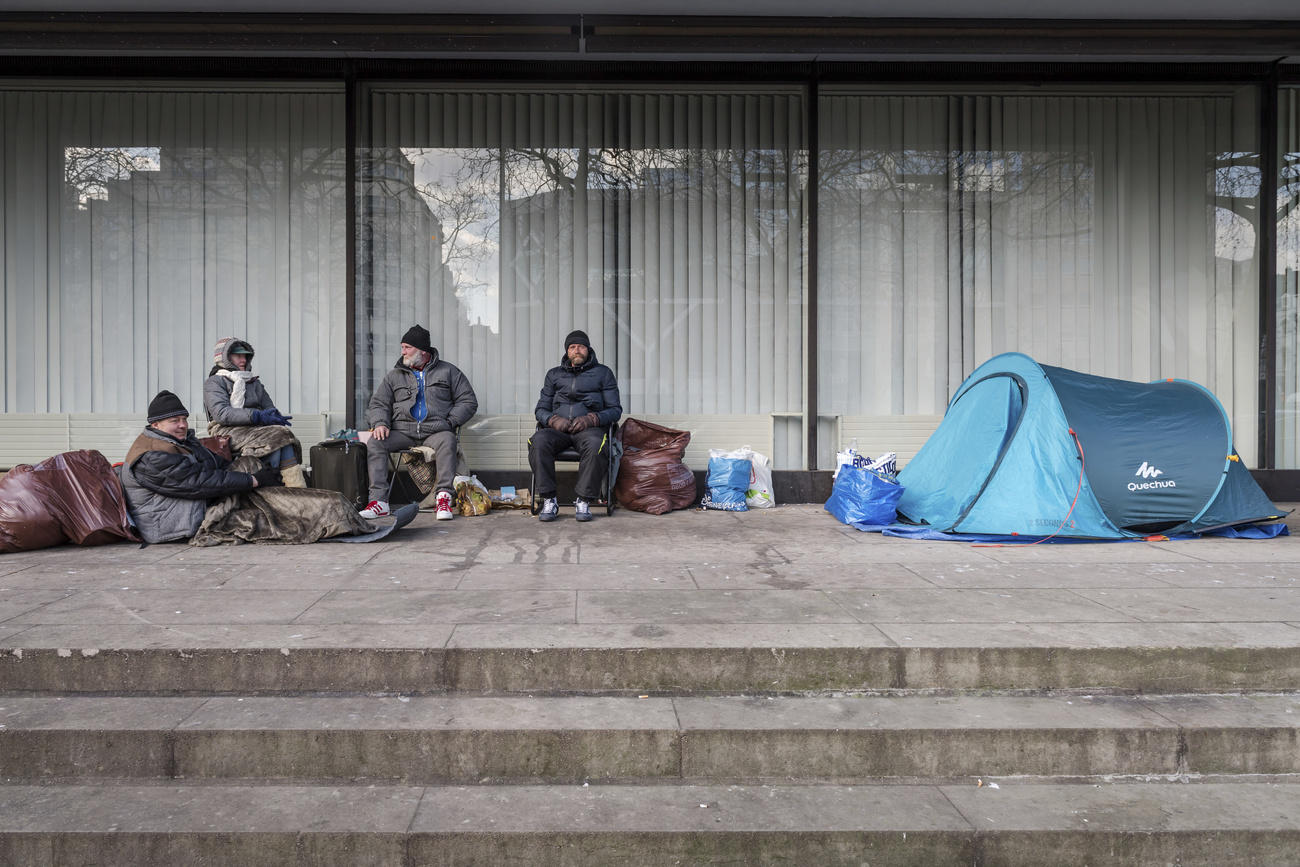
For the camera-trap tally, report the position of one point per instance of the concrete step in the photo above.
(720, 739)
(1041, 824)
(650, 658)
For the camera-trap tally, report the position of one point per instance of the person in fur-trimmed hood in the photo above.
(422, 401)
(578, 402)
(238, 406)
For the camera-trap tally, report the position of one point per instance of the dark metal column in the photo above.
(1268, 169)
(810, 272)
(350, 235)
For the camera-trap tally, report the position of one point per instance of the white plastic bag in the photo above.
(760, 494)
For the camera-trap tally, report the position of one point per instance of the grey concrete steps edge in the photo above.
(239, 668)
(476, 739)
(1048, 824)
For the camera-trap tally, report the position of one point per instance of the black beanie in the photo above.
(165, 405)
(418, 337)
(576, 337)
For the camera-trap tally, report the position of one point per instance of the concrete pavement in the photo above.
(766, 687)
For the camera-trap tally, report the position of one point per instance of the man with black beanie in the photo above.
(422, 401)
(169, 477)
(578, 403)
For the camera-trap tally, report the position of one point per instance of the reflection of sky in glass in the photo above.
(460, 190)
(89, 169)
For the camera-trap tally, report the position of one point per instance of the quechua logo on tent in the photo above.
(1148, 471)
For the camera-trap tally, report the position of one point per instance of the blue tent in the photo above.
(1023, 445)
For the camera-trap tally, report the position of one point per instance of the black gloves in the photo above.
(557, 422)
(270, 416)
(268, 477)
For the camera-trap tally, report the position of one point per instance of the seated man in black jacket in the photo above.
(579, 400)
(169, 477)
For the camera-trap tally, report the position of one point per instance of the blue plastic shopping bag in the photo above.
(862, 497)
(728, 481)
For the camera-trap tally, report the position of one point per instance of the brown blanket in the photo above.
(291, 516)
(256, 441)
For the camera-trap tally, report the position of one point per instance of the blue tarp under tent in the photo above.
(1030, 450)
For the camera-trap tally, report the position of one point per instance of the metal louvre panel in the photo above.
(668, 225)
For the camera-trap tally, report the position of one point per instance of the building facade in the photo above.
(787, 232)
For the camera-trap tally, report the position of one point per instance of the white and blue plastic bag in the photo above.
(728, 480)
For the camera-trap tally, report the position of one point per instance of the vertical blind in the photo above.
(669, 226)
(138, 226)
(1288, 281)
(1113, 234)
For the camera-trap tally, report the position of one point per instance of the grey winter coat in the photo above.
(168, 483)
(570, 392)
(449, 397)
(217, 389)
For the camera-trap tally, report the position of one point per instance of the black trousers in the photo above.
(593, 451)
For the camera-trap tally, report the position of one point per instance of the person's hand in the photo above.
(578, 425)
(262, 416)
(438, 425)
(267, 477)
(380, 432)
(277, 418)
(559, 423)
(593, 420)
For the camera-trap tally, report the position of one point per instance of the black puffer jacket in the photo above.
(570, 392)
(169, 481)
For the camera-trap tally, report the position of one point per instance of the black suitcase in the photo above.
(339, 465)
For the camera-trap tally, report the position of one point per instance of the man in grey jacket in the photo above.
(423, 400)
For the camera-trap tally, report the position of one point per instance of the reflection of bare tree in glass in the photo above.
(468, 203)
(1056, 188)
(88, 170)
(1235, 188)
(1288, 216)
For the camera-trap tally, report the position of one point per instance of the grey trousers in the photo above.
(444, 466)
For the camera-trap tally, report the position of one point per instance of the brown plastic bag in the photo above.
(651, 476)
(71, 497)
(219, 445)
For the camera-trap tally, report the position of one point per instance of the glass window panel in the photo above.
(669, 226)
(141, 225)
(1112, 233)
(1288, 280)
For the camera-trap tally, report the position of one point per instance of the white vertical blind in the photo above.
(138, 226)
(1114, 234)
(669, 226)
(1288, 280)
